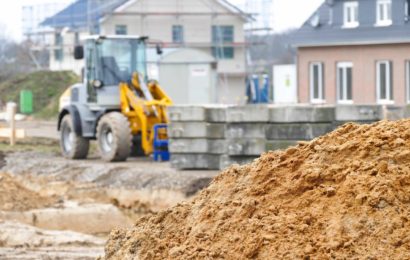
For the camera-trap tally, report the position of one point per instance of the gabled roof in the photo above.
(224, 3)
(80, 13)
(77, 15)
(235, 9)
(330, 31)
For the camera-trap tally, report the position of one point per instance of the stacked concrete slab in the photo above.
(288, 125)
(245, 134)
(197, 137)
(214, 137)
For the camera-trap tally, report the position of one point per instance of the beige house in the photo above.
(214, 27)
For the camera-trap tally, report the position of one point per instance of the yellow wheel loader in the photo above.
(115, 105)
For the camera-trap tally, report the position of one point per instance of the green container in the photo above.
(26, 102)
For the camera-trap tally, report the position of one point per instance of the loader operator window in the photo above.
(119, 58)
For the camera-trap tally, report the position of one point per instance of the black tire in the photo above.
(136, 147)
(114, 137)
(72, 146)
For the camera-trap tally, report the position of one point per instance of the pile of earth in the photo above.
(15, 197)
(345, 195)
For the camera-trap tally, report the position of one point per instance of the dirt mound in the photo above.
(15, 197)
(342, 196)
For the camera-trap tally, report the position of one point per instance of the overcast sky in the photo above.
(288, 14)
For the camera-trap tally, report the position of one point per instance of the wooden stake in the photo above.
(11, 112)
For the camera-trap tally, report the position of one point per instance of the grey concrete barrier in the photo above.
(243, 146)
(245, 130)
(348, 113)
(187, 113)
(297, 131)
(301, 114)
(250, 113)
(205, 146)
(195, 161)
(216, 114)
(196, 130)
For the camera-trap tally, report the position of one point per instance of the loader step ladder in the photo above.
(161, 152)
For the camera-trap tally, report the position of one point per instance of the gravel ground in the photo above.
(140, 173)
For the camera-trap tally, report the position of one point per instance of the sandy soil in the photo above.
(15, 197)
(342, 196)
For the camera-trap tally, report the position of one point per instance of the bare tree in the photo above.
(14, 57)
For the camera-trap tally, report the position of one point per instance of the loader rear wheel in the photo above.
(114, 137)
(72, 146)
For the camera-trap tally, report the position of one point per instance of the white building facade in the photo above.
(213, 27)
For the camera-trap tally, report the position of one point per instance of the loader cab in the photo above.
(110, 60)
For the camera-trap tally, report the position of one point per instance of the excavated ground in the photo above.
(345, 195)
(52, 208)
(15, 197)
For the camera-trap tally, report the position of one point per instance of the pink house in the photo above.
(355, 52)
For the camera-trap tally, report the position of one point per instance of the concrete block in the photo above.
(242, 146)
(195, 161)
(238, 130)
(297, 131)
(279, 144)
(395, 113)
(249, 113)
(197, 146)
(196, 130)
(187, 114)
(348, 113)
(227, 161)
(302, 114)
(406, 111)
(216, 114)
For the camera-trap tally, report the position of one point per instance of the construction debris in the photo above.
(341, 196)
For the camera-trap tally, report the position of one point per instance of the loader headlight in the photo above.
(97, 83)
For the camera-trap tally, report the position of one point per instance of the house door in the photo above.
(199, 84)
(284, 84)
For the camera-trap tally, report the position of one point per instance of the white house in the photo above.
(214, 27)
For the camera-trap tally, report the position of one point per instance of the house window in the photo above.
(384, 79)
(177, 34)
(58, 54)
(383, 15)
(351, 14)
(222, 40)
(317, 94)
(58, 51)
(345, 82)
(121, 29)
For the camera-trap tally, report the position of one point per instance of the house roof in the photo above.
(81, 12)
(330, 31)
(77, 15)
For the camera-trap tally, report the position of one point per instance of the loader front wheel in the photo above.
(72, 146)
(114, 137)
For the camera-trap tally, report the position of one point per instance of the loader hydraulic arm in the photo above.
(145, 106)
